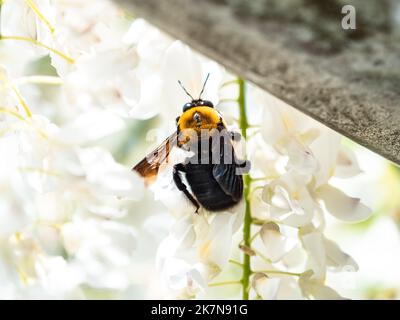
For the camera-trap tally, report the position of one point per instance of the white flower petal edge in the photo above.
(315, 289)
(276, 244)
(342, 206)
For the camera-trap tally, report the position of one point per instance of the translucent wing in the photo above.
(150, 165)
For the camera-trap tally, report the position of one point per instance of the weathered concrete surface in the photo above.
(296, 49)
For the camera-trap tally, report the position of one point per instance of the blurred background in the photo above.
(374, 243)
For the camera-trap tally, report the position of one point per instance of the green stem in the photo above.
(217, 284)
(39, 44)
(242, 108)
(227, 100)
(12, 112)
(235, 262)
(244, 125)
(258, 253)
(22, 101)
(254, 237)
(228, 83)
(284, 273)
(50, 80)
(31, 4)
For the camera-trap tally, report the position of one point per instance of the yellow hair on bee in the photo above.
(210, 119)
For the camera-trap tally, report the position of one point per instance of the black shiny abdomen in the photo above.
(213, 173)
(207, 190)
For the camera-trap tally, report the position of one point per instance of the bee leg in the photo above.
(244, 165)
(181, 186)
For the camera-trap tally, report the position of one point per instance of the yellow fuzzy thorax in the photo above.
(210, 119)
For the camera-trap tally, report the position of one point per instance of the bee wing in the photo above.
(150, 165)
(226, 172)
(229, 180)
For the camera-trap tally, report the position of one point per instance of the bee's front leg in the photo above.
(181, 186)
(243, 166)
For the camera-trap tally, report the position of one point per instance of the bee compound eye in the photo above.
(207, 103)
(187, 106)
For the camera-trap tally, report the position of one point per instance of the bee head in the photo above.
(197, 103)
(198, 113)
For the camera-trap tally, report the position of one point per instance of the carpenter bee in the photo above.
(213, 172)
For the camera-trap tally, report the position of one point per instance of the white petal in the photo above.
(277, 196)
(52, 207)
(186, 67)
(266, 287)
(347, 164)
(295, 257)
(149, 104)
(181, 63)
(342, 206)
(322, 292)
(314, 245)
(109, 177)
(325, 149)
(99, 245)
(301, 158)
(106, 65)
(273, 128)
(259, 209)
(215, 248)
(90, 126)
(185, 233)
(316, 289)
(338, 259)
(294, 212)
(57, 276)
(276, 244)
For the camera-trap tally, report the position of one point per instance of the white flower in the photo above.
(114, 86)
(265, 287)
(161, 92)
(83, 27)
(323, 253)
(196, 251)
(289, 200)
(294, 191)
(346, 164)
(90, 126)
(315, 289)
(176, 273)
(276, 288)
(276, 244)
(342, 206)
(102, 250)
(63, 197)
(8, 98)
(20, 18)
(58, 278)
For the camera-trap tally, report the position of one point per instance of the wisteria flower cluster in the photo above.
(68, 208)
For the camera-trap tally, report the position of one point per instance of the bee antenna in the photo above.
(204, 85)
(184, 89)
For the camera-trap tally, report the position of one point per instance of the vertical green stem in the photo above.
(247, 216)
